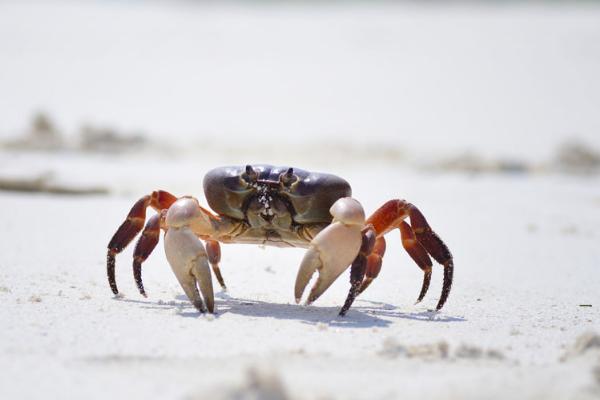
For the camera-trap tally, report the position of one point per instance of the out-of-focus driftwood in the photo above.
(44, 185)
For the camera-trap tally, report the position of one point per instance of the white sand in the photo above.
(526, 251)
(239, 85)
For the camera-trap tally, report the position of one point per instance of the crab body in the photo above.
(276, 206)
(283, 207)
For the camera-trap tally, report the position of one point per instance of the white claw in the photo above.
(348, 211)
(189, 261)
(332, 250)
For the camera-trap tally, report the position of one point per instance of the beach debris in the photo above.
(433, 351)
(45, 183)
(322, 326)
(108, 140)
(35, 299)
(437, 351)
(588, 342)
(43, 135)
(474, 352)
(259, 384)
(475, 164)
(575, 156)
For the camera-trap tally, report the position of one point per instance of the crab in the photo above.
(277, 206)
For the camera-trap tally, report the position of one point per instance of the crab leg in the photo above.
(418, 239)
(436, 248)
(144, 247)
(418, 254)
(213, 249)
(124, 235)
(359, 268)
(132, 225)
(332, 250)
(374, 261)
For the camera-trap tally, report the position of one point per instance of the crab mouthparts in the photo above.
(267, 215)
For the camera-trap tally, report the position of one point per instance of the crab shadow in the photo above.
(363, 314)
(391, 311)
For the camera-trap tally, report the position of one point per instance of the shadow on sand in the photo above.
(363, 314)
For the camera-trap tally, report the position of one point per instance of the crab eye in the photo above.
(288, 177)
(250, 175)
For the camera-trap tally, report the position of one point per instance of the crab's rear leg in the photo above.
(418, 253)
(144, 247)
(359, 268)
(365, 267)
(213, 250)
(374, 261)
(133, 224)
(418, 239)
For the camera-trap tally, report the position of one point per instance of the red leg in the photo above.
(359, 268)
(143, 248)
(213, 250)
(133, 224)
(374, 261)
(418, 239)
(418, 254)
(435, 247)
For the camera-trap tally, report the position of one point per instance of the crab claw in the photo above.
(187, 256)
(333, 249)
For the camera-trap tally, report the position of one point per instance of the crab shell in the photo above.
(308, 196)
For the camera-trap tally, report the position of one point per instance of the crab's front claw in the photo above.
(187, 256)
(333, 249)
(189, 262)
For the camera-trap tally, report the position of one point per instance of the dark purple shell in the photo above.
(311, 195)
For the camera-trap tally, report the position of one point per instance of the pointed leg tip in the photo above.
(142, 290)
(297, 299)
(210, 305)
(199, 307)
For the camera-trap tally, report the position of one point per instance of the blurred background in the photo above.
(468, 86)
(484, 114)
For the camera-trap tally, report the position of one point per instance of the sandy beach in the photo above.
(526, 270)
(478, 144)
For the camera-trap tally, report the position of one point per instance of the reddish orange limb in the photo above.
(374, 261)
(144, 247)
(435, 247)
(161, 200)
(133, 224)
(213, 250)
(418, 239)
(418, 254)
(358, 268)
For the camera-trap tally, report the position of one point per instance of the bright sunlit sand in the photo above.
(485, 117)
